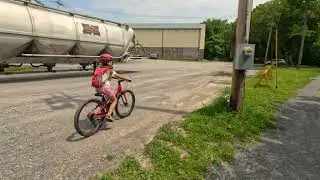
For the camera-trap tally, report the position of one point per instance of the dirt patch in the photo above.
(145, 162)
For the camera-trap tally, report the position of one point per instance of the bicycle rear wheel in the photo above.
(123, 98)
(91, 125)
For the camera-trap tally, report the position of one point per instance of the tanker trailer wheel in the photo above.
(3, 66)
(49, 66)
(94, 66)
(84, 66)
(36, 66)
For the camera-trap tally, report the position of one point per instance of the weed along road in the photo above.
(37, 136)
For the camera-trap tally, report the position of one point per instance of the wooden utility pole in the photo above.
(242, 36)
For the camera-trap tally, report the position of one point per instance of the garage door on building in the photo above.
(181, 43)
(151, 37)
(172, 41)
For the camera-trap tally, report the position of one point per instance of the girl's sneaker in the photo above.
(105, 125)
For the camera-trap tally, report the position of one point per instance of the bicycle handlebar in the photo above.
(119, 80)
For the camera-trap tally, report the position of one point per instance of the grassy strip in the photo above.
(212, 134)
(18, 69)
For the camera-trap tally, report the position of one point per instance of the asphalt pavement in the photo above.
(37, 136)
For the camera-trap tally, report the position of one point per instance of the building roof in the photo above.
(166, 26)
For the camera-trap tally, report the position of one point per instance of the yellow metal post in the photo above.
(276, 58)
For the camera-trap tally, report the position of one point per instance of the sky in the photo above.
(155, 11)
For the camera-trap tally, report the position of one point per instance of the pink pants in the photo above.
(107, 91)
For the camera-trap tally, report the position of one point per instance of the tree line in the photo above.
(298, 25)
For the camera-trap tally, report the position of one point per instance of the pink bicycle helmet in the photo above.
(105, 58)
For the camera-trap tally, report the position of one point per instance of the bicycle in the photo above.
(137, 50)
(103, 105)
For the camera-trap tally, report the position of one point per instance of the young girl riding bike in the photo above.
(101, 81)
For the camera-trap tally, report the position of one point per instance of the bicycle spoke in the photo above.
(125, 101)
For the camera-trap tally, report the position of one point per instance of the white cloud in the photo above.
(156, 11)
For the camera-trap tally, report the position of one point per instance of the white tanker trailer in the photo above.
(33, 33)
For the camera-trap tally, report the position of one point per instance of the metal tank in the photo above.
(33, 33)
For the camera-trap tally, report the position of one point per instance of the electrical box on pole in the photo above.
(244, 57)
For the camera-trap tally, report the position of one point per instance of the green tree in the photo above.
(266, 17)
(303, 11)
(219, 34)
(298, 26)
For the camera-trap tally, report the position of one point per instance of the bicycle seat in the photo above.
(99, 94)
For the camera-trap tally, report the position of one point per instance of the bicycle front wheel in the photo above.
(89, 125)
(126, 100)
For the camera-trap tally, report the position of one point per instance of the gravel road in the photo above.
(291, 151)
(37, 137)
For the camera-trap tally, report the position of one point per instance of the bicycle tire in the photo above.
(142, 49)
(76, 118)
(132, 106)
(135, 47)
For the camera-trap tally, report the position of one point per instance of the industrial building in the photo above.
(172, 41)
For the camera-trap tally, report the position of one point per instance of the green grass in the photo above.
(211, 135)
(18, 69)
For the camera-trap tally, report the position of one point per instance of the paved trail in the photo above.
(37, 137)
(291, 151)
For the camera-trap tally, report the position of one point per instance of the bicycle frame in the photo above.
(106, 103)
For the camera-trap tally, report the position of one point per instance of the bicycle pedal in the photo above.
(109, 120)
(90, 116)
